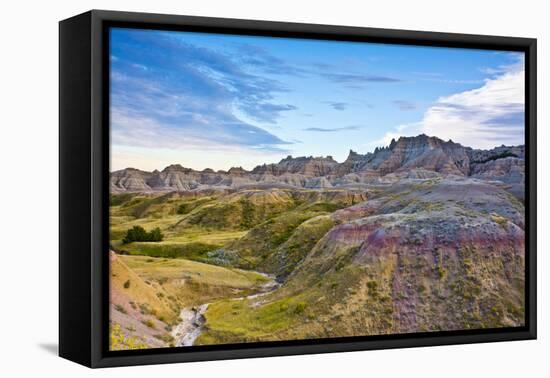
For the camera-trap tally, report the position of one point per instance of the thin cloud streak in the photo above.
(405, 105)
(337, 105)
(331, 130)
(348, 78)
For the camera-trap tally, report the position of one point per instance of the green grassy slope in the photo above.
(416, 258)
(418, 255)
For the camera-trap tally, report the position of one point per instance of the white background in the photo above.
(29, 187)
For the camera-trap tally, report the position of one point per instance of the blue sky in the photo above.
(216, 101)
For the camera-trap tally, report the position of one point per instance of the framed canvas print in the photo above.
(234, 188)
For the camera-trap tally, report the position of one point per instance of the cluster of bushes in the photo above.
(138, 233)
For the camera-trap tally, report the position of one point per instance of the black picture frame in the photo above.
(84, 187)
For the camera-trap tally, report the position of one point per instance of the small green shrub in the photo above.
(149, 323)
(119, 308)
(138, 233)
(372, 286)
(300, 307)
(167, 338)
(127, 284)
(145, 309)
(499, 220)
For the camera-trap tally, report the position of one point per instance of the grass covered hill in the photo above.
(423, 253)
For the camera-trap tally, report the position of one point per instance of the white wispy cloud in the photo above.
(485, 117)
(332, 129)
(130, 129)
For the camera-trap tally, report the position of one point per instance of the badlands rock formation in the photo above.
(413, 157)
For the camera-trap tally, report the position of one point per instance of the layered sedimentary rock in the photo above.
(412, 157)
